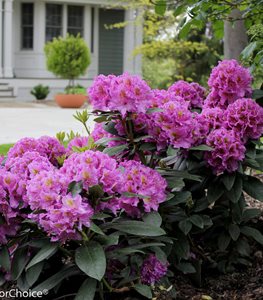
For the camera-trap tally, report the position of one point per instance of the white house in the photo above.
(26, 25)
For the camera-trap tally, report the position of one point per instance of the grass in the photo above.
(4, 148)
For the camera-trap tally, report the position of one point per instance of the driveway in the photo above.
(35, 120)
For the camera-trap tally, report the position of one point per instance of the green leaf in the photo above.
(179, 197)
(234, 231)
(215, 191)
(93, 227)
(253, 233)
(33, 273)
(75, 187)
(186, 268)
(248, 51)
(185, 226)
(19, 262)
(253, 187)
(228, 180)
(55, 279)
(179, 10)
(243, 247)
(108, 240)
(160, 7)
(223, 241)
(91, 260)
(87, 290)
(132, 195)
(197, 221)
(96, 191)
(235, 193)
(250, 213)
(201, 148)
(105, 140)
(138, 228)
(153, 218)
(110, 127)
(144, 290)
(115, 150)
(257, 94)
(44, 253)
(184, 31)
(5, 262)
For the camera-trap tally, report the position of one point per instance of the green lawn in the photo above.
(4, 148)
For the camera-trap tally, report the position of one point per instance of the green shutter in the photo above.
(111, 42)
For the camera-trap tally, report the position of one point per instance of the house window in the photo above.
(27, 26)
(75, 20)
(53, 21)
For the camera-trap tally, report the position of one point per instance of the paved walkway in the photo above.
(34, 120)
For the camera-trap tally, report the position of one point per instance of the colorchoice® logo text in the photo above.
(17, 294)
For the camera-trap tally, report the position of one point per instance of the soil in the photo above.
(243, 285)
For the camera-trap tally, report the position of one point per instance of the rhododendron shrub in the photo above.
(203, 143)
(78, 216)
(155, 190)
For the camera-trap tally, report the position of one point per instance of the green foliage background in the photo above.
(68, 57)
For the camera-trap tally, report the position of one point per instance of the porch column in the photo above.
(129, 41)
(138, 42)
(8, 36)
(133, 37)
(1, 38)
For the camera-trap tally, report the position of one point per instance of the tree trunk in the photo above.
(235, 36)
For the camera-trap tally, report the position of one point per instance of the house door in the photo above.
(111, 42)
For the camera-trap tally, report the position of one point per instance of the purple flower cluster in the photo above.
(46, 146)
(125, 93)
(64, 215)
(228, 81)
(138, 179)
(228, 150)
(152, 270)
(174, 125)
(245, 116)
(9, 206)
(193, 93)
(30, 182)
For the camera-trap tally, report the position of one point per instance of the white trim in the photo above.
(8, 37)
(1, 37)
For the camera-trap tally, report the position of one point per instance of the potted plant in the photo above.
(68, 58)
(40, 92)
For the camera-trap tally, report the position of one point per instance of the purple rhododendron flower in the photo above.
(10, 217)
(144, 181)
(245, 116)
(99, 92)
(228, 150)
(228, 81)
(193, 93)
(124, 93)
(173, 125)
(46, 146)
(152, 270)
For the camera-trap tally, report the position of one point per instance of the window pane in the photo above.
(75, 19)
(53, 21)
(27, 26)
(75, 32)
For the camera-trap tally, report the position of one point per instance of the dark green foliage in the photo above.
(40, 92)
(68, 57)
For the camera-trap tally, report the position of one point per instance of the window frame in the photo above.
(83, 19)
(54, 26)
(22, 48)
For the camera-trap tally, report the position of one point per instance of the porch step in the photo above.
(6, 91)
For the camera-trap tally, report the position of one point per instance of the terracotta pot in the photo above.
(70, 100)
